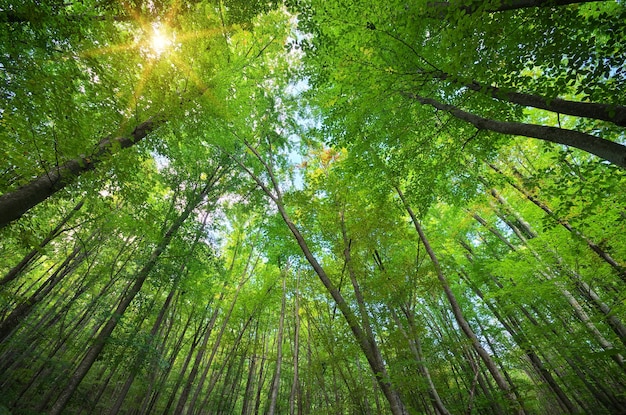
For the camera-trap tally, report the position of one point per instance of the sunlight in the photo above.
(159, 41)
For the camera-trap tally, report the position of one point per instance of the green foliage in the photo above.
(310, 119)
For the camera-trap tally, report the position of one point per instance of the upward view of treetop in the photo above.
(313, 207)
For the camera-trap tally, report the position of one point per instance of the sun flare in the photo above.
(159, 42)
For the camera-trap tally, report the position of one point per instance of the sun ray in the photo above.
(152, 41)
(190, 72)
(131, 108)
(106, 50)
(184, 37)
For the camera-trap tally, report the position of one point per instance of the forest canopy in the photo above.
(312, 207)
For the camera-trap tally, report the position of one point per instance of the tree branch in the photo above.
(605, 112)
(605, 149)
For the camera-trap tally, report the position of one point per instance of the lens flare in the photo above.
(159, 41)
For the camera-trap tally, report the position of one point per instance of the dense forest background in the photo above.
(318, 207)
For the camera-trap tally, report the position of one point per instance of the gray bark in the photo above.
(605, 149)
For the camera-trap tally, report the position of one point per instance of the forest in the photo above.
(265, 207)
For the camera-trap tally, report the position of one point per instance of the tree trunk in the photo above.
(99, 342)
(181, 374)
(380, 372)
(295, 385)
(182, 400)
(606, 112)
(587, 292)
(247, 404)
(517, 335)
(23, 309)
(416, 348)
(216, 344)
(279, 350)
(115, 408)
(19, 268)
(605, 256)
(261, 378)
(605, 149)
(19, 201)
(458, 314)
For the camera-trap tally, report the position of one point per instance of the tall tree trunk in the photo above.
(198, 335)
(94, 351)
(605, 149)
(28, 259)
(229, 354)
(516, 333)
(247, 405)
(69, 265)
(590, 295)
(458, 313)
(182, 399)
(261, 378)
(605, 256)
(295, 385)
(396, 405)
(279, 349)
(19, 201)
(415, 346)
(217, 343)
(155, 327)
(117, 405)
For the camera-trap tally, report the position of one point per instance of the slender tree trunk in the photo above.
(182, 400)
(28, 259)
(198, 335)
(157, 375)
(415, 346)
(365, 320)
(494, 231)
(115, 408)
(247, 404)
(229, 354)
(516, 334)
(295, 385)
(261, 378)
(458, 314)
(216, 344)
(396, 405)
(99, 342)
(69, 265)
(279, 350)
(605, 256)
(590, 295)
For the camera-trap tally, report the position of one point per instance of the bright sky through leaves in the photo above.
(159, 42)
